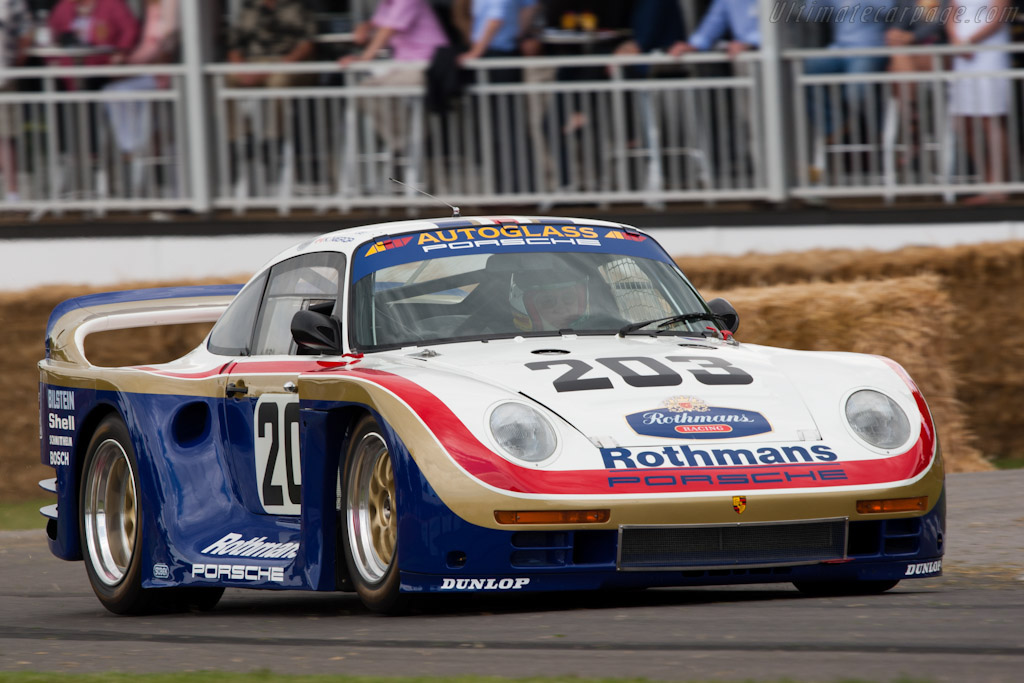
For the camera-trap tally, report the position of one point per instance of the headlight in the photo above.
(522, 432)
(877, 419)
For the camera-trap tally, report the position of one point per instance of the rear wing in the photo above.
(75, 319)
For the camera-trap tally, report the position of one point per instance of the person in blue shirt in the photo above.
(497, 26)
(735, 18)
(853, 24)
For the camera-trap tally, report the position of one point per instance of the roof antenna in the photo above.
(455, 210)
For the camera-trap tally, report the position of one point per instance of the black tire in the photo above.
(110, 529)
(841, 588)
(370, 520)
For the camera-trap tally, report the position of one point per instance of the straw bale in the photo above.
(23, 317)
(991, 280)
(906, 319)
(984, 282)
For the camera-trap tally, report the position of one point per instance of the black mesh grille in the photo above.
(676, 547)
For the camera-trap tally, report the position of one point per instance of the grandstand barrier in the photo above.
(536, 132)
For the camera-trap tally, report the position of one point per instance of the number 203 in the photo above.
(707, 370)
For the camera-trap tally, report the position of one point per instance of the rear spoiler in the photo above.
(75, 319)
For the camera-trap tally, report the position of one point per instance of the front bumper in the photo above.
(488, 560)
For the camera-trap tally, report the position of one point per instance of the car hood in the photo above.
(626, 391)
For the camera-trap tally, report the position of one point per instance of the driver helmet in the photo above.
(548, 299)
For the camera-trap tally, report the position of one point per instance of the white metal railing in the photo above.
(62, 150)
(899, 136)
(637, 129)
(528, 139)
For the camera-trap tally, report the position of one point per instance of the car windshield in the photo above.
(534, 293)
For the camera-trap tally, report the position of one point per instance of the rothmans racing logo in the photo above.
(686, 417)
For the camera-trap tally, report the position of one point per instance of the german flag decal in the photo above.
(384, 245)
(622, 235)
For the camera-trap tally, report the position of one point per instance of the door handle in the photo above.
(233, 390)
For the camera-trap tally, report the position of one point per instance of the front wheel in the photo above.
(842, 588)
(370, 535)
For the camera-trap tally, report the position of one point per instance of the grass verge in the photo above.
(1009, 463)
(19, 516)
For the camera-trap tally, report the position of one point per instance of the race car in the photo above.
(493, 404)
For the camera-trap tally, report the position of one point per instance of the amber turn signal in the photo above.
(919, 504)
(552, 516)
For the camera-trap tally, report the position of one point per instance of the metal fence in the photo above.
(887, 134)
(536, 131)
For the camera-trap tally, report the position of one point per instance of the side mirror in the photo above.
(317, 332)
(724, 309)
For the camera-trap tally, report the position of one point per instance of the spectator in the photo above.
(132, 121)
(101, 23)
(462, 19)
(913, 26)
(497, 27)
(854, 24)
(14, 34)
(739, 20)
(656, 25)
(412, 31)
(269, 32)
(496, 30)
(736, 18)
(984, 99)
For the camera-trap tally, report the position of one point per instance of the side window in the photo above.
(304, 282)
(232, 333)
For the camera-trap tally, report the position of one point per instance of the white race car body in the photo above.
(633, 443)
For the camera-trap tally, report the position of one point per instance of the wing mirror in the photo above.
(317, 332)
(724, 309)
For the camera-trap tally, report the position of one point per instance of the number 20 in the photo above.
(278, 469)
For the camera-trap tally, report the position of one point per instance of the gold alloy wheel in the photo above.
(370, 509)
(110, 510)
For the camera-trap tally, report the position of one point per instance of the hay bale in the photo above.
(985, 283)
(906, 319)
(23, 317)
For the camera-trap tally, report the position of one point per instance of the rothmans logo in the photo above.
(687, 417)
(232, 545)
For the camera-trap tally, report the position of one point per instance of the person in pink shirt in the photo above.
(103, 23)
(412, 31)
(409, 27)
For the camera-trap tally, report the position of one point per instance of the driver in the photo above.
(549, 299)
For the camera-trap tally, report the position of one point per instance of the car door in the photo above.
(261, 403)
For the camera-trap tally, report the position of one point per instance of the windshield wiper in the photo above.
(670, 320)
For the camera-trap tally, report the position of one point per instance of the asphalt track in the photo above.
(967, 625)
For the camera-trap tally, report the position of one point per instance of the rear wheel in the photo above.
(840, 588)
(110, 528)
(370, 536)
